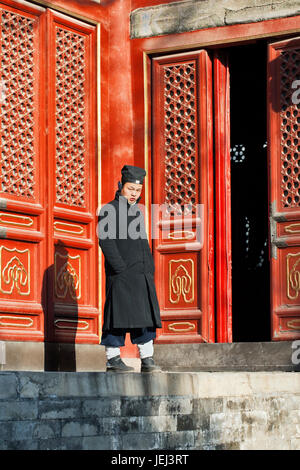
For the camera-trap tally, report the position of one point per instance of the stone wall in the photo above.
(191, 15)
(170, 411)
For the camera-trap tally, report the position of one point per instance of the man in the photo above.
(131, 302)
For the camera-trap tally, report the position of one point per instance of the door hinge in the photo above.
(276, 242)
(3, 232)
(3, 203)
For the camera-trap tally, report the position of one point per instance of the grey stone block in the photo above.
(60, 409)
(130, 424)
(207, 405)
(22, 430)
(19, 445)
(6, 431)
(69, 443)
(46, 430)
(178, 440)
(109, 426)
(101, 407)
(79, 428)
(263, 11)
(18, 410)
(175, 406)
(136, 406)
(141, 441)
(149, 424)
(199, 421)
(101, 443)
(9, 384)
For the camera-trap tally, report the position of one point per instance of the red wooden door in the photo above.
(23, 217)
(284, 161)
(48, 262)
(72, 191)
(182, 175)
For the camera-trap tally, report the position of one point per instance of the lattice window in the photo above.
(70, 118)
(290, 128)
(180, 129)
(17, 105)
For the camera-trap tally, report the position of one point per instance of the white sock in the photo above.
(111, 352)
(146, 350)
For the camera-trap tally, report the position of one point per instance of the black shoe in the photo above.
(148, 365)
(115, 364)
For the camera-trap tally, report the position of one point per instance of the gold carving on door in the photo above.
(181, 280)
(293, 275)
(67, 276)
(14, 271)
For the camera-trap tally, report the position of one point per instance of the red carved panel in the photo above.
(180, 133)
(71, 155)
(290, 127)
(19, 98)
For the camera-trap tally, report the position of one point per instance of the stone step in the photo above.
(258, 356)
(250, 356)
(157, 411)
(102, 384)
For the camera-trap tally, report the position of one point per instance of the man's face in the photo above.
(131, 191)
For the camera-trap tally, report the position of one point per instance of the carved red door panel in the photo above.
(22, 197)
(182, 175)
(73, 310)
(48, 255)
(284, 160)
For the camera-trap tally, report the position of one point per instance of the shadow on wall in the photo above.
(59, 302)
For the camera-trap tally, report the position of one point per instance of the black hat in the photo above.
(133, 174)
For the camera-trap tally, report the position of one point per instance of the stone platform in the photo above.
(208, 396)
(158, 411)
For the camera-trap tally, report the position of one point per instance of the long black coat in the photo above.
(131, 300)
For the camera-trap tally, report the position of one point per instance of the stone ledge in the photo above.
(191, 15)
(38, 356)
(54, 385)
(213, 357)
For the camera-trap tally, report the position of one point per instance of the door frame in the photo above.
(213, 38)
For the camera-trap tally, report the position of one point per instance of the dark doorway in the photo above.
(249, 185)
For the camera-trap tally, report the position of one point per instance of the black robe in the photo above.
(131, 300)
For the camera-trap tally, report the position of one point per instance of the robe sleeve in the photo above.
(108, 244)
(112, 255)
